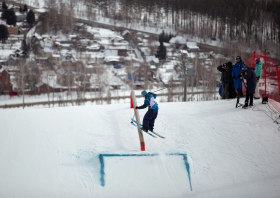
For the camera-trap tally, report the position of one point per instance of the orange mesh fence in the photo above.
(270, 80)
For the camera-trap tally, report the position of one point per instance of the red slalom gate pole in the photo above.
(278, 75)
(131, 101)
(265, 72)
(254, 59)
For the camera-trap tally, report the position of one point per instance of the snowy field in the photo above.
(54, 152)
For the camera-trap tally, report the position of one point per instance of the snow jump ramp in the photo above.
(156, 174)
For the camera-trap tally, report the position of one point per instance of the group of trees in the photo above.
(4, 33)
(11, 18)
(165, 37)
(60, 17)
(24, 9)
(255, 21)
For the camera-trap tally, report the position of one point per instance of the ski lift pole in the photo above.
(136, 113)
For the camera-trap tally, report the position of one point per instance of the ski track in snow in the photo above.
(54, 152)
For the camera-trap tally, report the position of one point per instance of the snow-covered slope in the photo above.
(55, 152)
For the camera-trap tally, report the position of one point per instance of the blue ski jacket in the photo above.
(237, 68)
(150, 101)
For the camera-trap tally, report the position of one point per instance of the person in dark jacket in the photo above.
(151, 115)
(231, 90)
(225, 79)
(237, 68)
(250, 77)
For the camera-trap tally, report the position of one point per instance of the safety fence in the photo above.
(270, 79)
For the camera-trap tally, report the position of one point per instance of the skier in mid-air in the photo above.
(151, 115)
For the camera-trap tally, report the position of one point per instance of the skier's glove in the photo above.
(136, 107)
(258, 78)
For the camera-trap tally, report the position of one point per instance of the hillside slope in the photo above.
(55, 152)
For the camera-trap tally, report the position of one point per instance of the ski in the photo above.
(149, 130)
(142, 130)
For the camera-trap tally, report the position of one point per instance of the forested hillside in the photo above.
(251, 21)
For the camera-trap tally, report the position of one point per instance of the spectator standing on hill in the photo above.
(250, 77)
(237, 69)
(259, 65)
(231, 90)
(225, 79)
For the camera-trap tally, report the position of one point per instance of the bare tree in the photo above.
(22, 77)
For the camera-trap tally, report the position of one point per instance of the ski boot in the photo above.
(151, 129)
(245, 106)
(146, 130)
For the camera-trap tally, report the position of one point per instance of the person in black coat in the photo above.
(225, 79)
(231, 89)
(250, 77)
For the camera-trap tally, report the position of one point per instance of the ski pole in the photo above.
(160, 89)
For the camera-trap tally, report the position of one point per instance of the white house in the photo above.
(192, 47)
(178, 40)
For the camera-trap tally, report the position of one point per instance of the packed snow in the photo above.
(54, 152)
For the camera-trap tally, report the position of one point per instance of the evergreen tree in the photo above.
(25, 8)
(161, 52)
(4, 6)
(10, 16)
(4, 34)
(30, 17)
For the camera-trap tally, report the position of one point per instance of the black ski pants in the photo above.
(249, 96)
(149, 119)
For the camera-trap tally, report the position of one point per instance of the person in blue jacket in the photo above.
(151, 115)
(237, 68)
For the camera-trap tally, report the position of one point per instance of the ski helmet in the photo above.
(144, 93)
(238, 57)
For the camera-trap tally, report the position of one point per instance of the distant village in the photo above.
(91, 59)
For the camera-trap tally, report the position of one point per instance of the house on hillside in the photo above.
(178, 41)
(192, 47)
(142, 35)
(42, 87)
(93, 48)
(67, 58)
(143, 73)
(111, 57)
(122, 50)
(48, 42)
(152, 60)
(126, 35)
(117, 39)
(12, 30)
(5, 82)
(21, 17)
(47, 52)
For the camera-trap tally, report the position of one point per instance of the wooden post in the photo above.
(136, 114)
